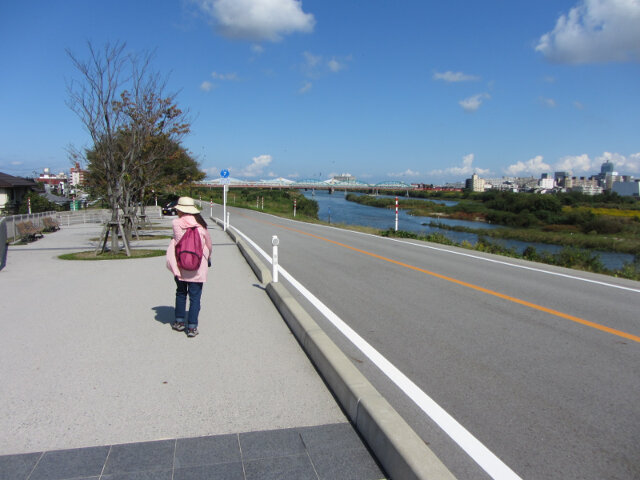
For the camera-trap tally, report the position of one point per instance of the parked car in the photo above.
(170, 208)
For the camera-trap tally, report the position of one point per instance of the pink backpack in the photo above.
(189, 250)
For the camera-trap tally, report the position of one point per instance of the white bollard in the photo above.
(274, 260)
(396, 214)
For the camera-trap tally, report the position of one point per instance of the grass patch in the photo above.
(121, 255)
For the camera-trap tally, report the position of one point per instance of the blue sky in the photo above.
(414, 90)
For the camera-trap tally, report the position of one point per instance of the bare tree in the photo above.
(123, 107)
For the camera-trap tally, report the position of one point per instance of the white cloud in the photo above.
(407, 173)
(578, 105)
(211, 172)
(549, 102)
(533, 166)
(467, 168)
(311, 60)
(473, 103)
(576, 164)
(257, 49)
(334, 65)
(206, 86)
(224, 76)
(315, 65)
(257, 167)
(305, 88)
(257, 19)
(454, 77)
(623, 164)
(595, 31)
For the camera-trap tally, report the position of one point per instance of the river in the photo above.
(334, 208)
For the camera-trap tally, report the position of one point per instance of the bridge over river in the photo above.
(309, 183)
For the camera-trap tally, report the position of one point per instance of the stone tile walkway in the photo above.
(321, 452)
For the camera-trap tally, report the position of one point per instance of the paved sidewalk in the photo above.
(95, 384)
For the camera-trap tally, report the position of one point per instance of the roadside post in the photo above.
(396, 214)
(295, 202)
(29, 205)
(274, 258)
(211, 208)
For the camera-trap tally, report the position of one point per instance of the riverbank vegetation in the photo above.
(601, 222)
(275, 201)
(569, 257)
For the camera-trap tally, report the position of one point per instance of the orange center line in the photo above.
(534, 306)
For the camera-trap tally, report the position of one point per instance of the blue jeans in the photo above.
(194, 290)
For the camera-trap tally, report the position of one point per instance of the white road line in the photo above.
(486, 459)
(469, 255)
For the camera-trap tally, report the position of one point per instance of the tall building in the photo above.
(475, 183)
(561, 177)
(607, 168)
(77, 176)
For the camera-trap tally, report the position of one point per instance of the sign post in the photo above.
(225, 184)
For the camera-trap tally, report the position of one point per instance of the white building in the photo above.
(546, 183)
(475, 183)
(627, 189)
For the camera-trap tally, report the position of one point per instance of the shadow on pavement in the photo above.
(164, 314)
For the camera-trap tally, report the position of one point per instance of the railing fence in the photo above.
(65, 219)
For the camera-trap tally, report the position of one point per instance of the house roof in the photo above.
(8, 181)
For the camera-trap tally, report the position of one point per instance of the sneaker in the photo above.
(192, 332)
(178, 326)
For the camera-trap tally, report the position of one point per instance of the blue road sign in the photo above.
(224, 173)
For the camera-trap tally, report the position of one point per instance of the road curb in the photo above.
(400, 451)
(262, 272)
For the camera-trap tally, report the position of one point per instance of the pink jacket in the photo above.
(180, 224)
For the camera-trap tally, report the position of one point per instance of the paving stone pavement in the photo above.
(95, 384)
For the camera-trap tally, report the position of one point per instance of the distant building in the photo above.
(588, 186)
(627, 189)
(12, 191)
(345, 178)
(588, 189)
(561, 177)
(607, 168)
(78, 176)
(475, 183)
(546, 183)
(51, 182)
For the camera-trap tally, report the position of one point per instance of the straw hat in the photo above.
(187, 205)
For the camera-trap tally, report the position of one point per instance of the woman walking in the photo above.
(188, 282)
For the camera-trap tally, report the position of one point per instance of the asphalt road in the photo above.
(540, 365)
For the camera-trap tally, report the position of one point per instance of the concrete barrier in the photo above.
(258, 267)
(4, 241)
(400, 451)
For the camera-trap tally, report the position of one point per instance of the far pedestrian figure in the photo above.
(188, 282)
